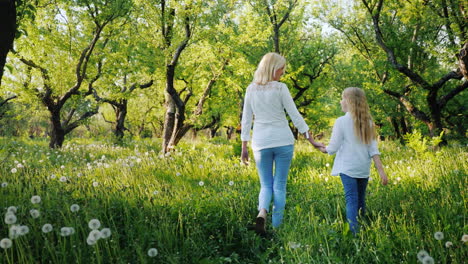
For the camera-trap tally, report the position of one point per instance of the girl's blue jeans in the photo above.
(355, 195)
(273, 185)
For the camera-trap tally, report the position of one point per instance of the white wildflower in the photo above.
(428, 260)
(12, 209)
(90, 241)
(74, 208)
(439, 235)
(35, 199)
(10, 218)
(65, 231)
(152, 252)
(105, 233)
(422, 254)
(464, 238)
(94, 224)
(95, 234)
(14, 170)
(47, 228)
(6, 243)
(35, 213)
(294, 245)
(14, 231)
(23, 230)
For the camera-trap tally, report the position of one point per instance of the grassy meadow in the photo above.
(196, 204)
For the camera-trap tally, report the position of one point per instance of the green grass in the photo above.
(149, 201)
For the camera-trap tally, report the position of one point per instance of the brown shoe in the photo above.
(260, 226)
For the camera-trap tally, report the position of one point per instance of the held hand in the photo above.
(384, 179)
(318, 145)
(245, 157)
(323, 150)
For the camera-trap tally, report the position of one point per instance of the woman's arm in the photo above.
(245, 153)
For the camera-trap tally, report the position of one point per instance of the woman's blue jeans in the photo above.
(273, 185)
(355, 195)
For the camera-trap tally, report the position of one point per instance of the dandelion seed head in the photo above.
(464, 238)
(422, 254)
(74, 208)
(4, 184)
(6, 243)
(90, 241)
(95, 234)
(448, 244)
(12, 209)
(294, 245)
(53, 176)
(14, 170)
(63, 179)
(35, 199)
(439, 235)
(34, 213)
(62, 167)
(200, 166)
(152, 252)
(95, 184)
(47, 228)
(105, 233)
(10, 218)
(94, 224)
(14, 232)
(155, 192)
(327, 165)
(428, 260)
(201, 183)
(231, 183)
(23, 230)
(65, 231)
(178, 174)
(20, 165)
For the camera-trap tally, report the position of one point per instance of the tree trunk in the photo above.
(169, 121)
(57, 135)
(7, 30)
(120, 115)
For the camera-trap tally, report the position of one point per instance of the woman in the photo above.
(272, 140)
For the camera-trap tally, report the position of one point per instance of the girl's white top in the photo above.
(266, 104)
(353, 158)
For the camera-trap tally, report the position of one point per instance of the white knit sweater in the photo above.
(265, 104)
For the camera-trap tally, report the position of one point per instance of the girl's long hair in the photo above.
(359, 109)
(269, 64)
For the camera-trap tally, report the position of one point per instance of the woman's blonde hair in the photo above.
(267, 67)
(359, 109)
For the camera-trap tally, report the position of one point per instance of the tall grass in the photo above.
(196, 205)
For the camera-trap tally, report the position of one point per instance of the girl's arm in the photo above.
(310, 138)
(336, 138)
(378, 165)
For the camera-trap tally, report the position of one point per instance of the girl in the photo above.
(272, 140)
(353, 141)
